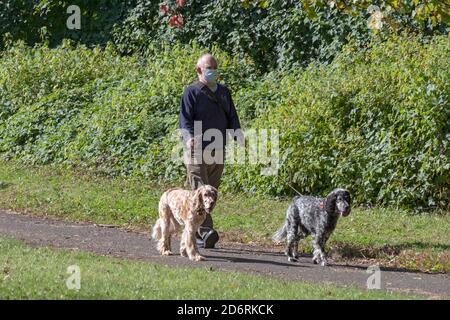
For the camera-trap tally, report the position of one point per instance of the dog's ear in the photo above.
(215, 192)
(330, 205)
(348, 199)
(196, 200)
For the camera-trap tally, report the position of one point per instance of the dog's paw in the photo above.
(324, 263)
(315, 260)
(197, 258)
(166, 253)
(292, 259)
(183, 253)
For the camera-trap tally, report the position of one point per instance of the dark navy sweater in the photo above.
(197, 106)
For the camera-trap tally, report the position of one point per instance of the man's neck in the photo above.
(213, 87)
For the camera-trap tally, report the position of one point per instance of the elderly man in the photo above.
(206, 107)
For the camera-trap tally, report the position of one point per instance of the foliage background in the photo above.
(357, 108)
(274, 33)
(367, 121)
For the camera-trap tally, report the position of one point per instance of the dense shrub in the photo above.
(281, 35)
(275, 33)
(94, 108)
(36, 21)
(375, 121)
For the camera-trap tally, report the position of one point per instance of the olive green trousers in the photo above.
(202, 173)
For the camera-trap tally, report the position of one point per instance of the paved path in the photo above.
(116, 242)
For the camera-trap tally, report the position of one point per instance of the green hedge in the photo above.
(278, 34)
(96, 109)
(35, 21)
(374, 121)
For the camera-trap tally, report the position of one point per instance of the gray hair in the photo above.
(203, 58)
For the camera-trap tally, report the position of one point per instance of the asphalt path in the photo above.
(127, 244)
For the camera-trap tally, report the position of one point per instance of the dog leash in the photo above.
(293, 188)
(301, 195)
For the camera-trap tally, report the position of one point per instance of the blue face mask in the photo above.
(211, 75)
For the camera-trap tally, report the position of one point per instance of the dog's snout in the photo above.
(346, 212)
(343, 208)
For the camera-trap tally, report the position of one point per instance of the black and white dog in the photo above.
(317, 216)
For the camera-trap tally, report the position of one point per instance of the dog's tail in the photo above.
(280, 235)
(156, 234)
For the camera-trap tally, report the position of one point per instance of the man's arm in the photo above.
(233, 120)
(187, 116)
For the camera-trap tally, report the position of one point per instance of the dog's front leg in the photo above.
(164, 242)
(183, 251)
(319, 251)
(191, 244)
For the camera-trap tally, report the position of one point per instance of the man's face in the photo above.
(210, 64)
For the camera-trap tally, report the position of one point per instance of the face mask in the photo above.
(210, 75)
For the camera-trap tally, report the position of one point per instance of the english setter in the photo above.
(179, 207)
(311, 215)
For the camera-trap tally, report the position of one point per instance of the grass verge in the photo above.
(41, 273)
(389, 237)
